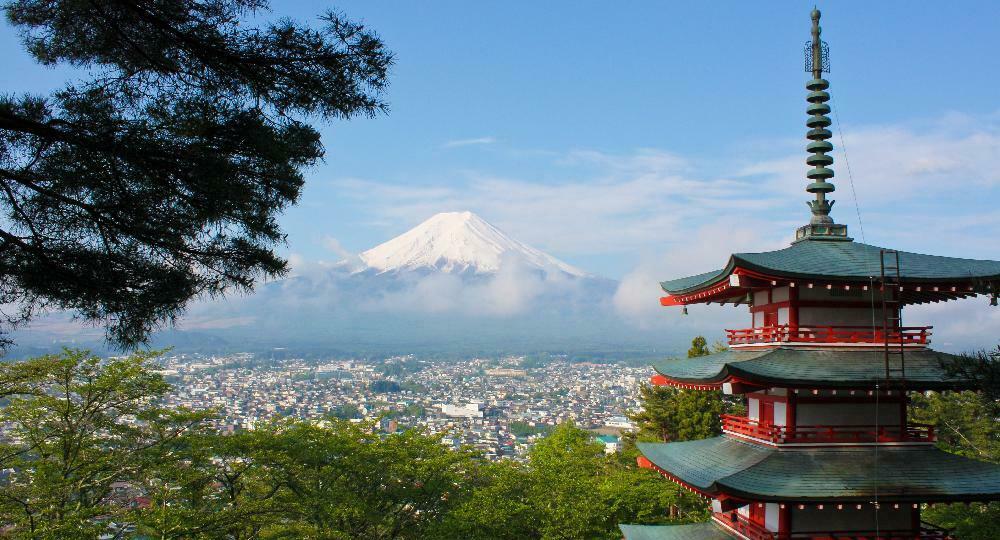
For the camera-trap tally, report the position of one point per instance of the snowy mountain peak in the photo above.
(458, 242)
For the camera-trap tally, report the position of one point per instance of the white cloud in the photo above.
(469, 142)
(515, 289)
(625, 204)
(917, 186)
(922, 187)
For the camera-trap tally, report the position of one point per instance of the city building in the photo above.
(620, 422)
(470, 410)
(825, 449)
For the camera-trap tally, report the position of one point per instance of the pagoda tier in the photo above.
(839, 266)
(745, 370)
(725, 467)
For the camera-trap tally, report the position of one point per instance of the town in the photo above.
(496, 406)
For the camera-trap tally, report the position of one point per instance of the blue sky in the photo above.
(651, 139)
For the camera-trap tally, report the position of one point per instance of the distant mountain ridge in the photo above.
(456, 243)
(454, 283)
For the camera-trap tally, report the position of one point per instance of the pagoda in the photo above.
(825, 449)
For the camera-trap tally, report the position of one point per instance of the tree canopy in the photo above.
(674, 414)
(966, 424)
(91, 452)
(159, 176)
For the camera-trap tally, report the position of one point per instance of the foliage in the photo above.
(79, 428)
(345, 412)
(95, 453)
(399, 368)
(160, 177)
(568, 490)
(524, 429)
(699, 347)
(383, 386)
(983, 368)
(965, 424)
(410, 386)
(673, 414)
(348, 482)
(976, 521)
(534, 361)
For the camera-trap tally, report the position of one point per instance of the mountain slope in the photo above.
(459, 242)
(453, 284)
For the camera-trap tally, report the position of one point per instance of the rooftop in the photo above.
(852, 262)
(694, 531)
(722, 465)
(810, 368)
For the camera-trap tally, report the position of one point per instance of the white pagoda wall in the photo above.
(771, 511)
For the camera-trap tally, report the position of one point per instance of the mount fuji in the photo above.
(452, 284)
(459, 242)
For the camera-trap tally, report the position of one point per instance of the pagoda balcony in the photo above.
(826, 335)
(746, 528)
(910, 433)
(754, 531)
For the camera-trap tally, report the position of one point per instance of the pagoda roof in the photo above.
(723, 465)
(693, 531)
(811, 368)
(825, 260)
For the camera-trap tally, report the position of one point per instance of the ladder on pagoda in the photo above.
(892, 317)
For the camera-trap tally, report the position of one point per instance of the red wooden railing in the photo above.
(744, 526)
(754, 531)
(911, 432)
(915, 335)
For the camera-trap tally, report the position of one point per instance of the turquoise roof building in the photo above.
(825, 449)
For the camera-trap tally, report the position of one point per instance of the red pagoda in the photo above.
(825, 450)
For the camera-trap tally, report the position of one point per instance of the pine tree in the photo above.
(160, 178)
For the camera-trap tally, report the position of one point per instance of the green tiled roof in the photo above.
(703, 463)
(893, 473)
(785, 366)
(815, 259)
(694, 531)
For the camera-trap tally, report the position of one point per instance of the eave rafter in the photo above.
(660, 380)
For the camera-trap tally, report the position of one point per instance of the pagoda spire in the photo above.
(821, 226)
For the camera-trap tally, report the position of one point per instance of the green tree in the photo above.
(965, 423)
(673, 414)
(524, 429)
(566, 470)
(976, 521)
(983, 369)
(569, 489)
(345, 481)
(346, 411)
(161, 176)
(79, 429)
(499, 508)
(699, 347)
(210, 486)
(642, 496)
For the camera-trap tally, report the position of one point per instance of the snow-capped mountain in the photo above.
(454, 283)
(459, 243)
